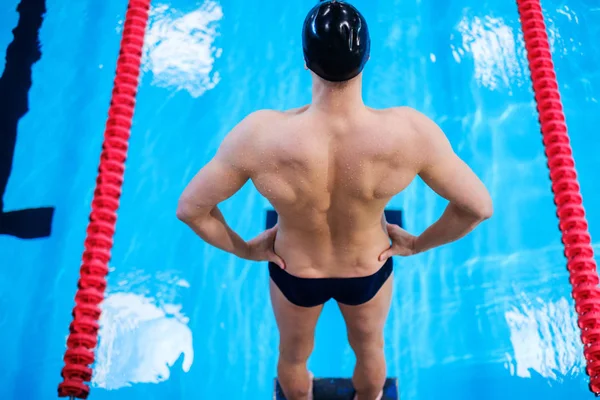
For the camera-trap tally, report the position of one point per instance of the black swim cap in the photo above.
(336, 41)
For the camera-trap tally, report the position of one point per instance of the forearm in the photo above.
(452, 225)
(213, 229)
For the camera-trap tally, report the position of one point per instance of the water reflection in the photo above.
(180, 50)
(492, 45)
(139, 341)
(542, 325)
(564, 42)
(545, 339)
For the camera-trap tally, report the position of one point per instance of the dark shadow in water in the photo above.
(22, 53)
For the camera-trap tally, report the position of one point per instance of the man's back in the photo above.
(329, 176)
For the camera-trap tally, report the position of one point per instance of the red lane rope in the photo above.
(83, 335)
(567, 196)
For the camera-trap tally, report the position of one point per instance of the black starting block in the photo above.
(340, 389)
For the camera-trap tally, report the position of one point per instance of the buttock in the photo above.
(311, 292)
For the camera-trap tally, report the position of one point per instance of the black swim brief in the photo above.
(311, 292)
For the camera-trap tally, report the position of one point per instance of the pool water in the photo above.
(487, 317)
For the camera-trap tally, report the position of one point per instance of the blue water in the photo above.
(487, 317)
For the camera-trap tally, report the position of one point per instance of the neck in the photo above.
(337, 97)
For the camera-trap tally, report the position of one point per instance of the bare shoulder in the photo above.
(416, 131)
(432, 141)
(424, 126)
(260, 123)
(247, 129)
(409, 115)
(405, 120)
(255, 120)
(241, 146)
(237, 146)
(267, 115)
(400, 115)
(297, 110)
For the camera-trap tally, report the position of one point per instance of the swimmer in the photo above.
(329, 169)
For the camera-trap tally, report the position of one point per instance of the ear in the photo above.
(305, 67)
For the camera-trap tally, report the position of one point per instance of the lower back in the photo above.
(319, 248)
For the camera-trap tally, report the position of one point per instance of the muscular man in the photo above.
(329, 169)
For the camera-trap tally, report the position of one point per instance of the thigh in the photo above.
(365, 322)
(296, 325)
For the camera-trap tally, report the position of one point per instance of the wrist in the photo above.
(416, 245)
(244, 251)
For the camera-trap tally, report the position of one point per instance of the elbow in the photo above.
(478, 211)
(485, 213)
(485, 210)
(191, 213)
(184, 212)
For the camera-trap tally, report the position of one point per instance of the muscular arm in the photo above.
(444, 172)
(220, 179)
